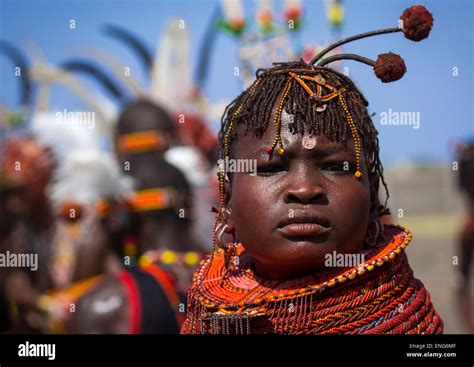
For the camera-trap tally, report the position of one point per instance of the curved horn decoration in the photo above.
(48, 74)
(132, 41)
(94, 71)
(117, 68)
(19, 59)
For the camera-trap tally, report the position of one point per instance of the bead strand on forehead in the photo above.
(355, 135)
(277, 121)
(320, 81)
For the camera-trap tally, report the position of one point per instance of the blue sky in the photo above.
(445, 102)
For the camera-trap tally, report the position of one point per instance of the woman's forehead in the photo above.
(294, 144)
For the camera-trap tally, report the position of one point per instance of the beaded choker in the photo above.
(244, 302)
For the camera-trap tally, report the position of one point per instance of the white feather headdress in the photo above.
(87, 176)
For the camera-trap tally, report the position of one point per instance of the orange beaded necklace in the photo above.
(363, 299)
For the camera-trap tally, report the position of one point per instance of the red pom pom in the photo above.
(417, 22)
(389, 67)
(269, 150)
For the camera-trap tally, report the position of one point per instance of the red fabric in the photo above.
(169, 288)
(133, 295)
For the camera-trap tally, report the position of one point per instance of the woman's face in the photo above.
(300, 206)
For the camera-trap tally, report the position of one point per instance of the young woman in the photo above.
(309, 254)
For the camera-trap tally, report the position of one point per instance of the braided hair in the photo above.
(254, 107)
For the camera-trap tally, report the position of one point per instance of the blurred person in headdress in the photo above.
(147, 296)
(26, 218)
(191, 146)
(37, 141)
(155, 233)
(86, 194)
(159, 252)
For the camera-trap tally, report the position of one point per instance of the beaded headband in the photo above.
(153, 199)
(142, 141)
(140, 201)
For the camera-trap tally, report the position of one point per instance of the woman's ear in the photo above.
(226, 218)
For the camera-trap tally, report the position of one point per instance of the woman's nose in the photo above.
(304, 188)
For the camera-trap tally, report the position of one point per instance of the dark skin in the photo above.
(302, 182)
(93, 254)
(104, 310)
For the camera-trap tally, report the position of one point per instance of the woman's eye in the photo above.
(337, 167)
(270, 169)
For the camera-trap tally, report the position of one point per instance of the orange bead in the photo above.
(341, 279)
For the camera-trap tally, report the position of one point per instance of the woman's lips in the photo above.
(304, 230)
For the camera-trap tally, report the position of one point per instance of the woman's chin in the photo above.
(291, 263)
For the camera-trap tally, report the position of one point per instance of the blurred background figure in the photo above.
(86, 194)
(160, 252)
(465, 157)
(26, 226)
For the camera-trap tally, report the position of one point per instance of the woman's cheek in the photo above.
(251, 203)
(244, 202)
(351, 206)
